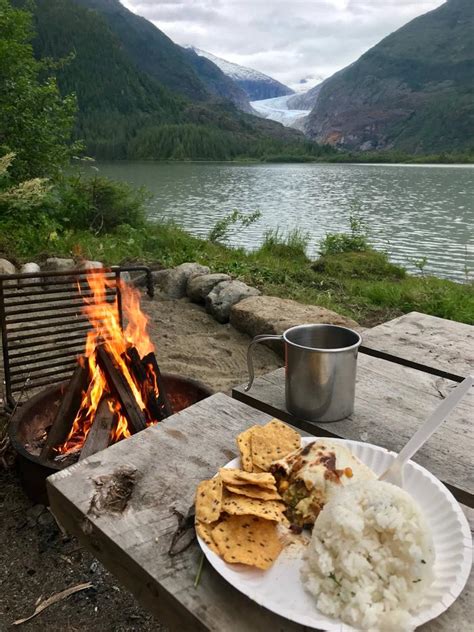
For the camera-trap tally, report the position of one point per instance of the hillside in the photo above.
(124, 112)
(255, 84)
(414, 91)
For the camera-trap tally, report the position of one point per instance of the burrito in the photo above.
(307, 477)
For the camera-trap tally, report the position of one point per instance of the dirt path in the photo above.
(37, 560)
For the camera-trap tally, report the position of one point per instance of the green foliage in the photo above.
(369, 264)
(100, 205)
(420, 264)
(219, 233)
(35, 121)
(355, 241)
(291, 246)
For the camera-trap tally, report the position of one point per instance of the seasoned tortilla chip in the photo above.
(272, 442)
(204, 531)
(209, 500)
(234, 504)
(253, 491)
(239, 477)
(243, 442)
(247, 540)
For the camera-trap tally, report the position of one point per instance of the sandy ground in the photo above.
(36, 560)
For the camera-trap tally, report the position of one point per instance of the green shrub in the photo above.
(220, 232)
(99, 204)
(370, 264)
(355, 241)
(291, 246)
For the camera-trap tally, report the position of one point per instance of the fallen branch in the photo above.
(54, 599)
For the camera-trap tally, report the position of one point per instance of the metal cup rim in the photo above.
(322, 349)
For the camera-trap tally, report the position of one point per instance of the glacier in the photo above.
(276, 109)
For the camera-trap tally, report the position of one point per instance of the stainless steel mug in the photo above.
(320, 370)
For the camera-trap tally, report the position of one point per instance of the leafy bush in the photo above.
(355, 241)
(292, 246)
(370, 264)
(99, 204)
(219, 233)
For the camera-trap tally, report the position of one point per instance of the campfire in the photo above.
(116, 389)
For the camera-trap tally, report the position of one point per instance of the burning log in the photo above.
(98, 437)
(68, 409)
(150, 360)
(148, 380)
(121, 389)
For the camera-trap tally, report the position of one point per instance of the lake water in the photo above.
(412, 211)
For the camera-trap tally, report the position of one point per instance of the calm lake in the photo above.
(412, 211)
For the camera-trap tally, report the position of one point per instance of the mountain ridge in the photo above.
(413, 91)
(257, 85)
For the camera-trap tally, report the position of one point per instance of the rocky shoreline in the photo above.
(224, 298)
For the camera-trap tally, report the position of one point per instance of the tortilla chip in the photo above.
(253, 491)
(243, 442)
(247, 540)
(204, 531)
(272, 442)
(239, 477)
(209, 500)
(237, 505)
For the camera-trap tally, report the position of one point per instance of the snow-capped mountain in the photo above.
(256, 84)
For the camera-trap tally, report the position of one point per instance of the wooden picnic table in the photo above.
(392, 399)
(434, 345)
(170, 459)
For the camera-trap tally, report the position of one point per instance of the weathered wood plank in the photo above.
(391, 402)
(171, 458)
(436, 344)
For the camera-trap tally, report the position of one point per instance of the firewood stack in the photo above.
(107, 399)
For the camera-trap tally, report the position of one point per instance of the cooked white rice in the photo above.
(371, 557)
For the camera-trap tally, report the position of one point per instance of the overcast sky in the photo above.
(296, 41)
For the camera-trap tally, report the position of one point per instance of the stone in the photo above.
(57, 264)
(199, 286)
(174, 283)
(30, 268)
(226, 294)
(86, 264)
(273, 315)
(6, 267)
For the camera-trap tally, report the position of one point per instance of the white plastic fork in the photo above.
(394, 474)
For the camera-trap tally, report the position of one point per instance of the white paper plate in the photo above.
(280, 590)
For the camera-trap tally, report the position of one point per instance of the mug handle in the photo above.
(257, 339)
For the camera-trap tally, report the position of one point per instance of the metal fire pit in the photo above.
(31, 420)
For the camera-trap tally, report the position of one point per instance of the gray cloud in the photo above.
(290, 41)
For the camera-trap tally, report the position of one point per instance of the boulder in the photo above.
(6, 267)
(175, 281)
(272, 315)
(57, 264)
(226, 294)
(199, 286)
(30, 268)
(86, 264)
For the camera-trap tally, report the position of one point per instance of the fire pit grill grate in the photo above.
(43, 325)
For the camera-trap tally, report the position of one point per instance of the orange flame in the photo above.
(102, 312)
